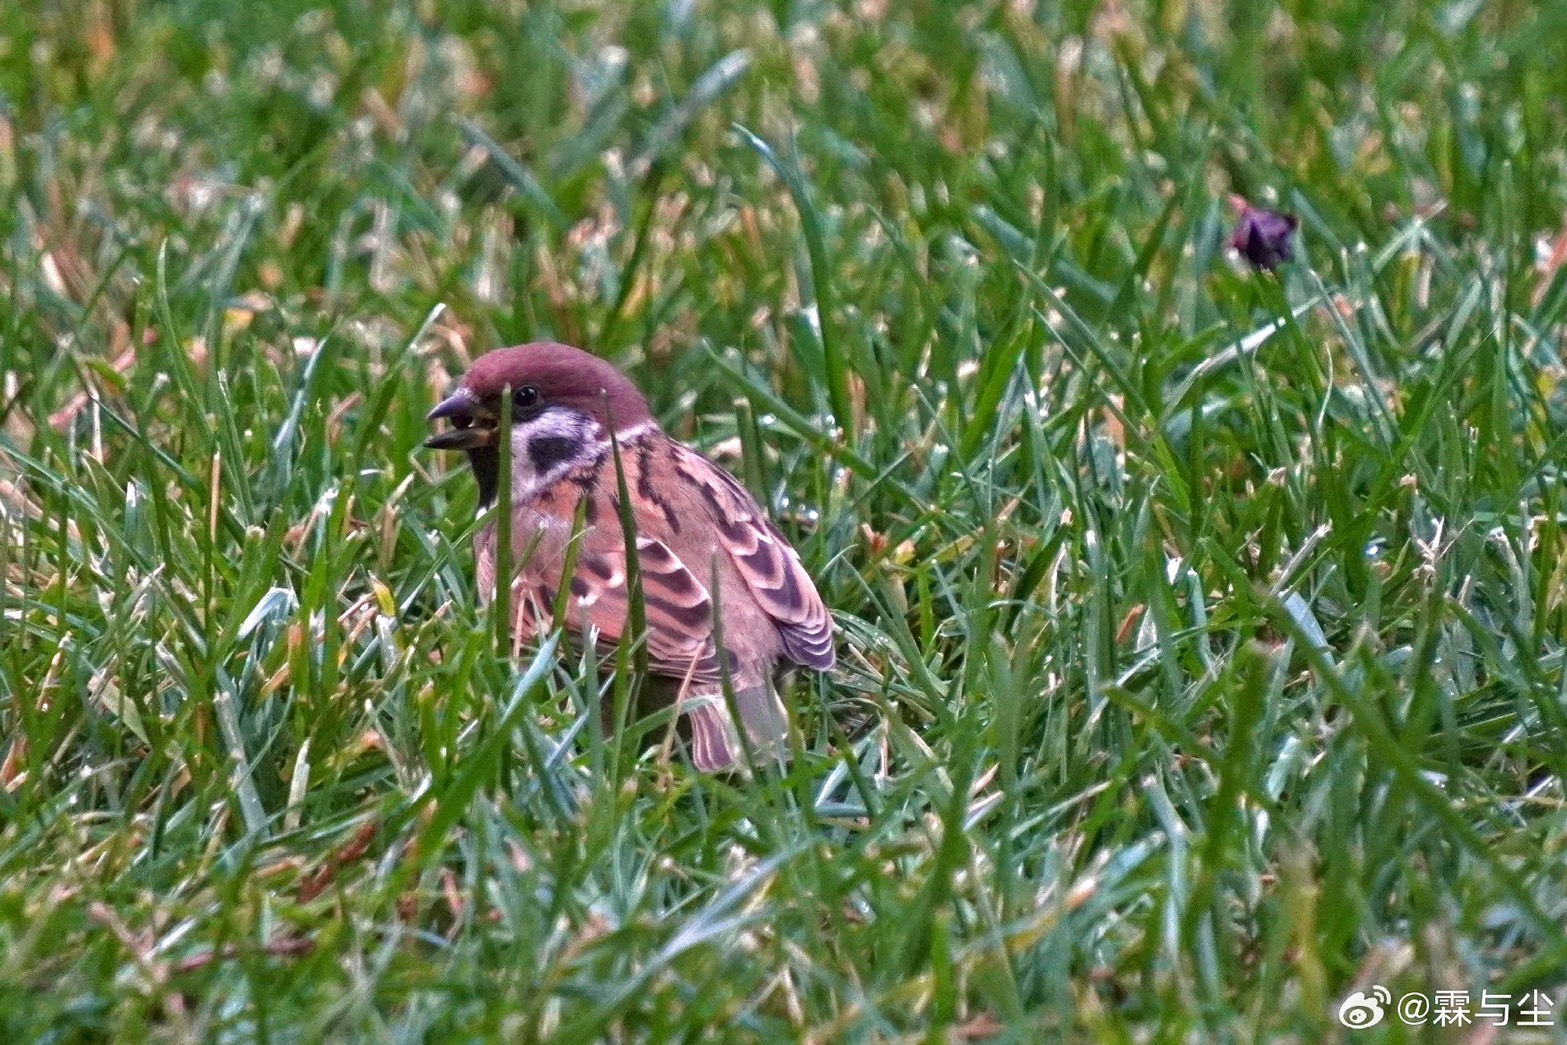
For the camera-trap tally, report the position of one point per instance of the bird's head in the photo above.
(565, 404)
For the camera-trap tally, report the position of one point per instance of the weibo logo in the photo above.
(1365, 1010)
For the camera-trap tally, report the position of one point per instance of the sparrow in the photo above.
(695, 527)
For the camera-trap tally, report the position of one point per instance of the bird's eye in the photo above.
(527, 399)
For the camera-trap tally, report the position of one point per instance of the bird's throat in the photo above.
(486, 464)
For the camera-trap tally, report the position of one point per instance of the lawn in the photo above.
(1202, 632)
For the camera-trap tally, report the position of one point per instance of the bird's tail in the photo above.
(715, 743)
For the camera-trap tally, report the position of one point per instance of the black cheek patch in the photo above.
(545, 452)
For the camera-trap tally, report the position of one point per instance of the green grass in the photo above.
(1201, 633)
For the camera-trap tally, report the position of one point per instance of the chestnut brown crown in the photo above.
(542, 375)
(545, 379)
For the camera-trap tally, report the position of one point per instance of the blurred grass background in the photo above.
(1201, 633)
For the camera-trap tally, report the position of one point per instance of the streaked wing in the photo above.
(679, 611)
(770, 568)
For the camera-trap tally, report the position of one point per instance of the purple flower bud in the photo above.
(1263, 236)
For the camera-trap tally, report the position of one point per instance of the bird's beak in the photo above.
(471, 428)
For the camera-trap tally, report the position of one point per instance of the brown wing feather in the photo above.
(679, 611)
(770, 568)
